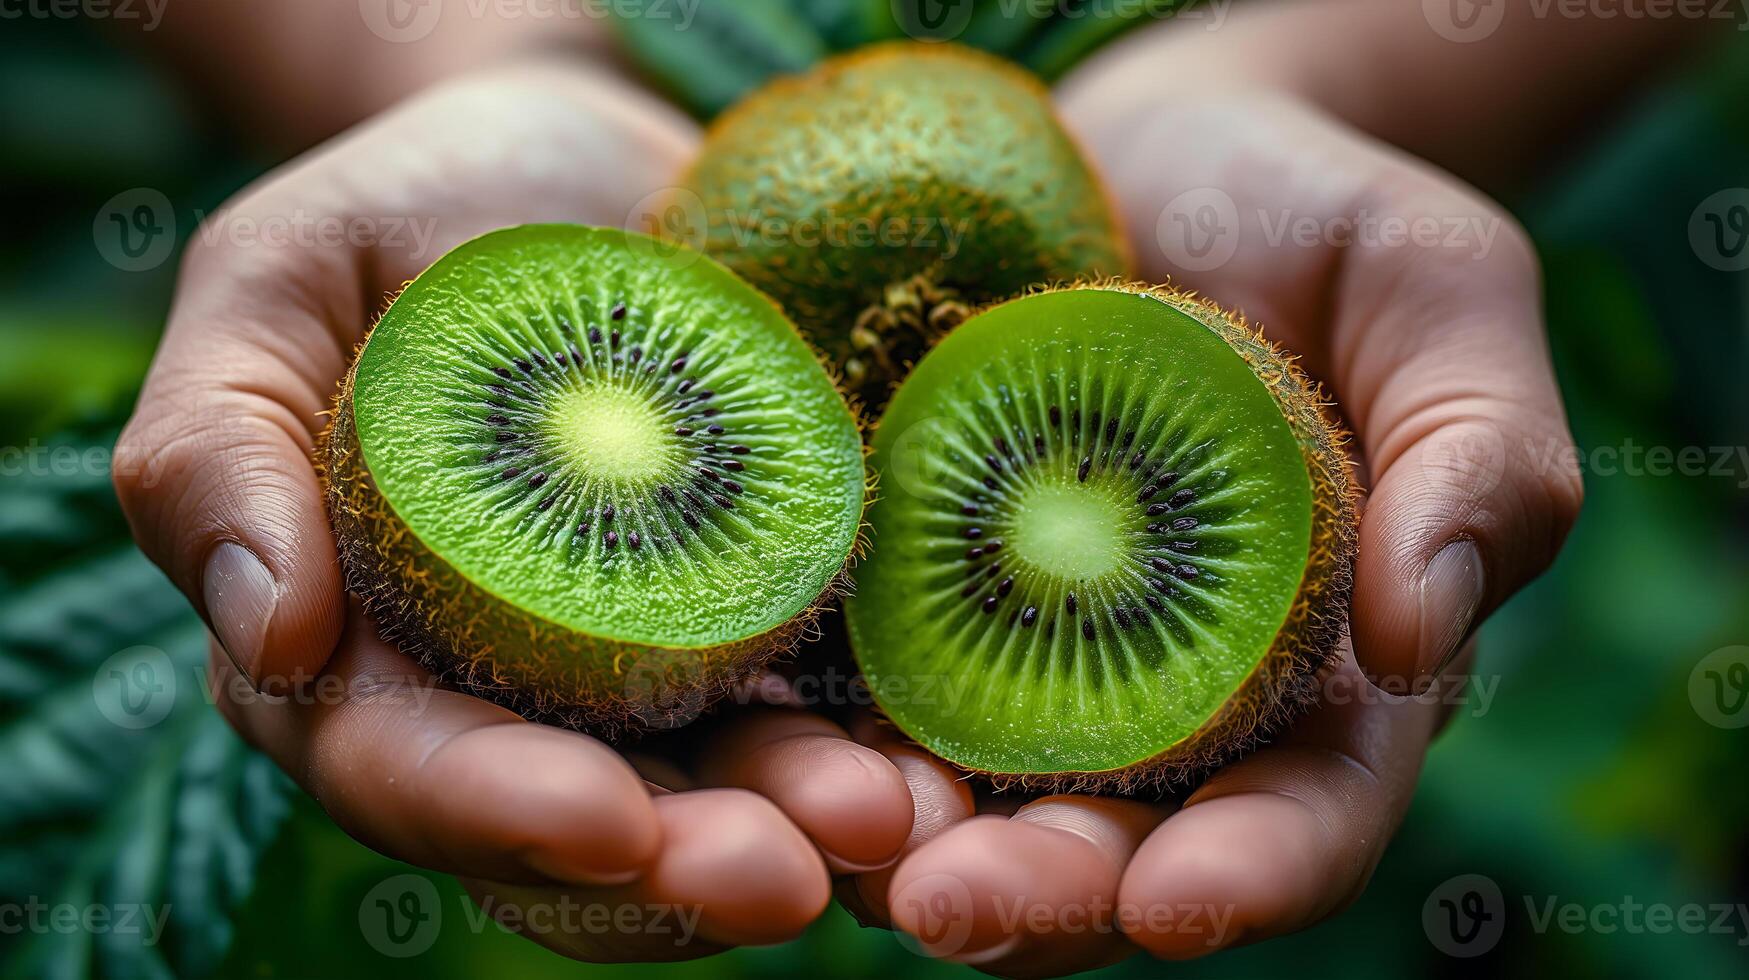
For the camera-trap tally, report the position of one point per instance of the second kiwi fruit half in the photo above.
(1114, 540)
(587, 481)
(881, 196)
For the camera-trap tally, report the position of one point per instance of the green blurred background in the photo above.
(1607, 765)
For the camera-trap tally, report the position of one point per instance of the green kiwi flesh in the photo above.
(584, 475)
(1114, 533)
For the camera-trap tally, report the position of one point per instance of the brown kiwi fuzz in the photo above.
(881, 196)
(1117, 528)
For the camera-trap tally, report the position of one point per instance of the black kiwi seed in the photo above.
(989, 605)
(1069, 604)
(1029, 617)
(607, 516)
(610, 539)
(1087, 628)
(732, 487)
(992, 547)
(619, 311)
(1122, 617)
(1056, 417)
(634, 541)
(595, 335)
(536, 481)
(1086, 467)
(974, 554)
(1006, 587)
(974, 533)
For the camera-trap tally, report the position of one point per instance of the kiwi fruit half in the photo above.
(589, 482)
(881, 195)
(1114, 538)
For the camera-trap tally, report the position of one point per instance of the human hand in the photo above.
(1418, 303)
(275, 293)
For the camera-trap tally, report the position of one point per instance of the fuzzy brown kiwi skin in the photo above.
(477, 643)
(1284, 685)
(959, 137)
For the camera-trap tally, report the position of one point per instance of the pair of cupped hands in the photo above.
(1435, 355)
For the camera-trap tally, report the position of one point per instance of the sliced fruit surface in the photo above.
(623, 442)
(1095, 522)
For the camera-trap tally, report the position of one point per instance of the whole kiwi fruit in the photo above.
(1114, 541)
(589, 478)
(880, 196)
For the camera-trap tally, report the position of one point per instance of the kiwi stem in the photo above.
(892, 334)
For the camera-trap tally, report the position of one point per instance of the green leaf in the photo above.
(711, 55)
(129, 807)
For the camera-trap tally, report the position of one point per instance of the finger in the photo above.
(1284, 837)
(214, 469)
(848, 798)
(941, 797)
(733, 872)
(1444, 365)
(1419, 303)
(1034, 894)
(446, 781)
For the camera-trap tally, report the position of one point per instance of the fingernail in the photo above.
(845, 866)
(1451, 594)
(240, 597)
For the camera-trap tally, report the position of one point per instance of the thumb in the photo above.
(214, 469)
(1476, 481)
